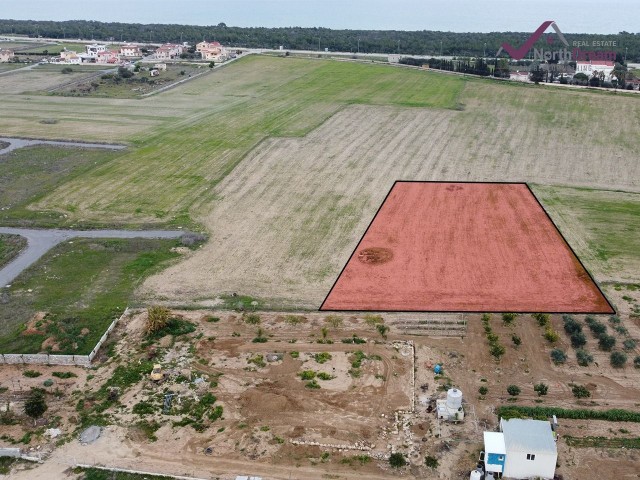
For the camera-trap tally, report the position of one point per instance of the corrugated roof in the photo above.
(529, 436)
(494, 443)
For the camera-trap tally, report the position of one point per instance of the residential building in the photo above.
(108, 57)
(600, 66)
(160, 66)
(94, 49)
(69, 56)
(523, 449)
(130, 51)
(6, 55)
(212, 51)
(168, 51)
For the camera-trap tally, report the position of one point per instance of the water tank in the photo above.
(454, 399)
(475, 475)
(437, 369)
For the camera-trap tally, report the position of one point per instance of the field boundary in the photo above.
(49, 359)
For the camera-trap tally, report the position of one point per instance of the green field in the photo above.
(186, 158)
(10, 247)
(29, 173)
(237, 152)
(604, 227)
(80, 284)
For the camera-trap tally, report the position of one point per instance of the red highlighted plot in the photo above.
(464, 247)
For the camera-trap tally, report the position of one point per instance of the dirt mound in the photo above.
(267, 402)
(375, 255)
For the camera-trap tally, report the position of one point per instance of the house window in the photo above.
(500, 458)
(531, 456)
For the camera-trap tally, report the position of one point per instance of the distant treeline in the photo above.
(423, 42)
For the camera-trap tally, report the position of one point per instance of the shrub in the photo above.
(543, 413)
(143, 408)
(606, 343)
(251, 318)
(551, 335)
(578, 339)
(614, 320)
(516, 340)
(509, 318)
(157, 318)
(373, 320)
(313, 384)
(580, 391)
(48, 382)
(618, 359)
(334, 320)
(621, 330)
(31, 373)
(294, 354)
(571, 326)
(64, 374)
(541, 389)
(598, 329)
(382, 330)
(322, 357)
(558, 356)
(397, 460)
(307, 375)
(636, 361)
(629, 344)
(67, 70)
(513, 390)
(35, 404)
(541, 318)
(325, 376)
(483, 390)
(431, 462)
(584, 358)
(497, 351)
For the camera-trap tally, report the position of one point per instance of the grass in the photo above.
(100, 474)
(182, 161)
(609, 222)
(81, 285)
(10, 247)
(29, 173)
(602, 442)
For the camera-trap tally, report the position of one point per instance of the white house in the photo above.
(6, 55)
(523, 449)
(94, 49)
(130, 51)
(600, 66)
(212, 51)
(168, 51)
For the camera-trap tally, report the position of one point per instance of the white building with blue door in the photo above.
(522, 449)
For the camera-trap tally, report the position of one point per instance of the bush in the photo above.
(571, 326)
(509, 318)
(143, 408)
(580, 391)
(325, 376)
(124, 72)
(629, 344)
(513, 390)
(618, 359)
(483, 390)
(307, 375)
(31, 373)
(606, 343)
(64, 374)
(313, 384)
(251, 318)
(551, 335)
(157, 318)
(397, 460)
(578, 339)
(558, 356)
(334, 320)
(431, 462)
(636, 361)
(614, 320)
(598, 329)
(48, 382)
(322, 357)
(541, 389)
(584, 358)
(497, 351)
(516, 340)
(541, 318)
(543, 413)
(67, 70)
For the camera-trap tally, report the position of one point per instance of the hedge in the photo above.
(542, 413)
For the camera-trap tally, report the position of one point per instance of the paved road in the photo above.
(40, 242)
(15, 143)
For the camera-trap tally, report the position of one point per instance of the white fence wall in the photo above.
(48, 359)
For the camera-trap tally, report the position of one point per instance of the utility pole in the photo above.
(625, 55)
(318, 43)
(398, 47)
(484, 52)
(358, 45)
(440, 47)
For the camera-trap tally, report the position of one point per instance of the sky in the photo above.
(572, 16)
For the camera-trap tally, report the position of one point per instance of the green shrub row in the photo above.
(542, 413)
